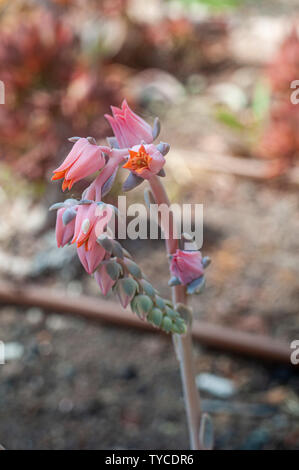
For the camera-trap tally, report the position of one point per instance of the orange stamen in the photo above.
(65, 184)
(81, 242)
(138, 160)
(58, 175)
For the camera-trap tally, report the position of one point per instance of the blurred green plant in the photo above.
(256, 113)
(15, 185)
(261, 100)
(214, 5)
(226, 116)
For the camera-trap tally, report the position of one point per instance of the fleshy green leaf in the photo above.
(155, 316)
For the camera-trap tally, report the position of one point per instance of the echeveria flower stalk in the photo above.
(83, 223)
(183, 344)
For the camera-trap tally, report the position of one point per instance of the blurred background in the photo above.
(218, 74)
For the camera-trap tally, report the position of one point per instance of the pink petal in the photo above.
(91, 259)
(74, 154)
(116, 130)
(141, 129)
(81, 215)
(89, 213)
(187, 265)
(129, 128)
(157, 162)
(94, 257)
(90, 161)
(104, 280)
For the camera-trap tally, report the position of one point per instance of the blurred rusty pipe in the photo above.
(93, 308)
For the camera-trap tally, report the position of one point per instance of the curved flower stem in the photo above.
(182, 343)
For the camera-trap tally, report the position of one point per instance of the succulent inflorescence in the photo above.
(84, 222)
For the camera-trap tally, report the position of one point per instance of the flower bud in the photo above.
(117, 249)
(176, 329)
(171, 313)
(155, 316)
(179, 326)
(126, 288)
(166, 324)
(186, 265)
(142, 304)
(160, 302)
(114, 270)
(103, 279)
(133, 268)
(148, 288)
(129, 129)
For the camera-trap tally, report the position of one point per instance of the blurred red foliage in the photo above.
(280, 140)
(179, 46)
(60, 75)
(285, 66)
(51, 91)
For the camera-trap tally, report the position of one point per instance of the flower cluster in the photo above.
(84, 223)
(132, 147)
(187, 268)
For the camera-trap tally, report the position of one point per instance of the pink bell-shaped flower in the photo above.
(91, 222)
(83, 160)
(187, 266)
(91, 258)
(104, 280)
(129, 128)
